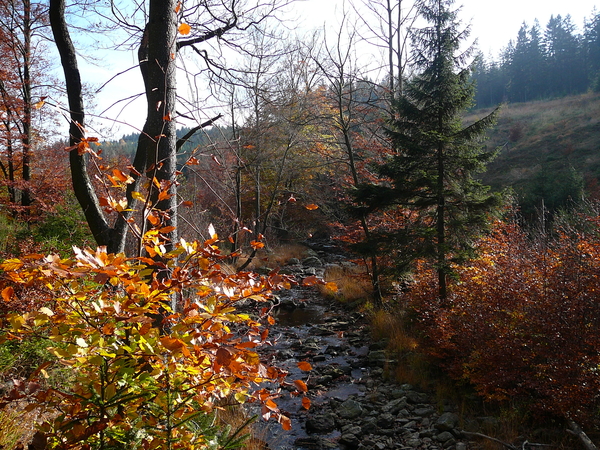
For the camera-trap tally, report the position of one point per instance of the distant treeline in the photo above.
(542, 64)
(127, 145)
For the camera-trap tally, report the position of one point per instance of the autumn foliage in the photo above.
(521, 321)
(150, 347)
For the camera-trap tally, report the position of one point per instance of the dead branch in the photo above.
(580, 434)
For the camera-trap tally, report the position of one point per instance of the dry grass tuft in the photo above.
(237, 418)
(17, 426)
(353, 284)
(277, 256)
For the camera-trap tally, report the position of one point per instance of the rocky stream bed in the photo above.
(353, 407)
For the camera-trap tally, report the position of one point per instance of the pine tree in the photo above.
(432, 172)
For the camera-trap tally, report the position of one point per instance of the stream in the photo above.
(352, 406)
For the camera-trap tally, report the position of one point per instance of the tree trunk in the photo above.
(156, 153)
(82, 185)
(159, 139)
(26, 139)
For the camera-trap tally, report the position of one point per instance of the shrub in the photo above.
(154, 348)
(521, 321)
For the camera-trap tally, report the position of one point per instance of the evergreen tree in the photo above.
(591, 49)
(565, 57)
(432, 172)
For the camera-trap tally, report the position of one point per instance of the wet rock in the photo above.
(369, 426)
(312, 261)
(416, 397)
(386, 421)
(447, 421)
(377, 358)
(321, 423)
(461, 446)
(350, 409)
(311, 443)
(350, 440)
(395, 406)
(444, 436)
(424, 411)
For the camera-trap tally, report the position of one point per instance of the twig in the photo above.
(506, 444)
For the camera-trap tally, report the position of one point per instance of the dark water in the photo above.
(310, 333)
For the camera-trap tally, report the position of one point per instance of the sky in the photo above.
(493, 22)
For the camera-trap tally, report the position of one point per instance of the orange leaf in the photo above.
(256, 245)
(301, 385)
(153, 219)
(271, 320)
(285, 422)
(178, 7)
(306, 402)
(184, 29)
(305, 366)
(187, 204)
(171, 344)
(312, 207)
(39, 104)
(164, 195)
(121, 176)
(7, 293)
(310, 281)
(331, 286)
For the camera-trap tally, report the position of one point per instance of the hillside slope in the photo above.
(548, 149)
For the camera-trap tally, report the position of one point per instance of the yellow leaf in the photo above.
(11, 264)
(184, 29)
(138, 196)
(47, 311)
(252, 358)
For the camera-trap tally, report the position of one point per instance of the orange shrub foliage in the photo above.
(147, 355)
(522, 321)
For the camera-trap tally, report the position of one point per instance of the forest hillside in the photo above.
(547, 149)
